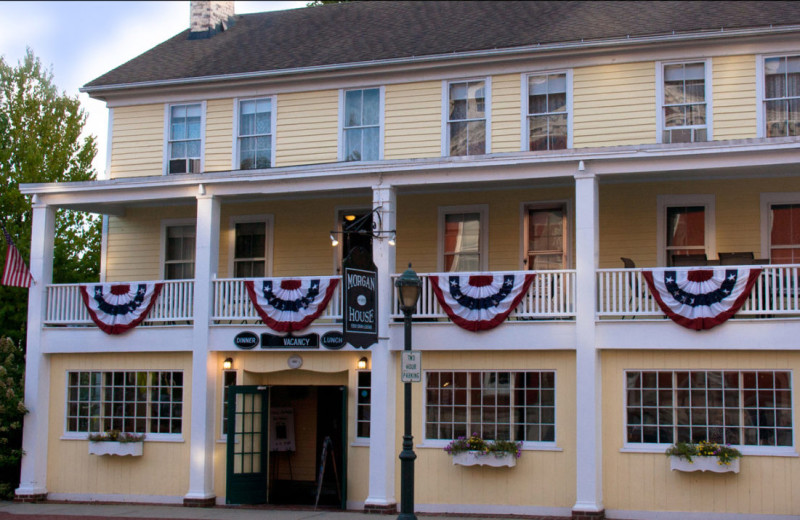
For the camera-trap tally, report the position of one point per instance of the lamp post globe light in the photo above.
(408, 288)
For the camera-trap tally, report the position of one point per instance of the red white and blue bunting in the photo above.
(290, 304)
(701, 298)
(118, 307)
(479, 301)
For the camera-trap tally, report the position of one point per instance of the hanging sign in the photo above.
(332, 340)
(275, 341)
(246, 340)
(360, 301)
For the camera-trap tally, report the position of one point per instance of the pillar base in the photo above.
(383, 509)
(200, 502)
(589, 515)
(38, 497)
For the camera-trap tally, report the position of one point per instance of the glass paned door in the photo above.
(248, 408)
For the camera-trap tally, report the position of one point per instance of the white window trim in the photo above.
(523, 229)
(665, 201)
(525, 99)
(268, 221)
(162, 253)
(483, 210)
(767, 200)
(381, 120)
(167, 122)
(761, 116)
(660, 96)
(273, 121)
(445, 113)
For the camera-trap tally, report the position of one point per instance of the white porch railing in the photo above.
(174, 306)
(624, 293)
(550, 296)
(232, 304)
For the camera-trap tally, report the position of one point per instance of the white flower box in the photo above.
(477, 458)
(703, 464)
(133, 449)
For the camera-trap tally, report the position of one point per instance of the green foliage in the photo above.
(12, 410)
(40, 141)
(686, 450)
(475, 443)
(116, 436)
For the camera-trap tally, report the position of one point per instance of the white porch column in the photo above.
(382, 454)
(33, 474)
(204, 365)
(589, 484)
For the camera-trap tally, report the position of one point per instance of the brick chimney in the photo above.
(209, 17)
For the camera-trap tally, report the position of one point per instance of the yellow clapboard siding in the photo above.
(307, 128)
(140, 128)
(734, 91)
(505, 114)
(415, 110)
(219, 135)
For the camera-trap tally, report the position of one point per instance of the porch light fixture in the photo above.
(362, 363)
(227, 364)
(353, 227)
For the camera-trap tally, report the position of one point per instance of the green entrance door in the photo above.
(247, 445)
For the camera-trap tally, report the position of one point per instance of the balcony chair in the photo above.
(633, 282)
(739, 258)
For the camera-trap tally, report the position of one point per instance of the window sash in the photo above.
(363, 403)
(462, 241)
(782, 96)
(185, 142)
(180, 251)
(250, 249)
(547, 237)
(684, 103)
(255, 134)
(547, 112)
(466, 118)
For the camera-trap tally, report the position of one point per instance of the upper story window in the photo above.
(250, 247)
(685, 228)
(463, 241)
(361, 125)
(684, 114)
(179, 252)
(546, 232)
(466, 118)
(255, 134)
(548, 112)
(185, 138)
(782, 96)
(783, 218)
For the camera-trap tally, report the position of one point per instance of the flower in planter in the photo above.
(724, 453)
(497, 448)
(116, 436)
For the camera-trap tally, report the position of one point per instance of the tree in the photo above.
(40, 141)
(11, 412)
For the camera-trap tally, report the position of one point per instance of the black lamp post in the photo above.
(408, 288)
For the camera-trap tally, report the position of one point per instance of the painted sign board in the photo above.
(275, 341)
(411, 366)
(360, 307)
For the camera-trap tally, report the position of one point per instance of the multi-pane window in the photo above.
(518, 406)
(684, 104)
(179, 256)
(466, 118)
(250, 257)
(784, 246)
(361, 127)
(686, 231)
(462, 242)
(782, 96)
(228, 380)
(128, 401)
(749, 408)
(255, 134)
(547, 233)
(184, 138)
(547, 112)
(363, 403)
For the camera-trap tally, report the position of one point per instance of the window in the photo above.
(250, 249)
(684, 113)
(179, 253)
(784, 233)
(466, 118)
(749, 408)
(782, 96)
(363, 403)
(228, 380)
(463, 239)
(185, 141)
(518, 406)
(547, 112)
(148, 402)
(546, 232)
(685, 227)
(255, 134)
(361, 125)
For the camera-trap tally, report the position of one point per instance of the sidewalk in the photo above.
(62, 511)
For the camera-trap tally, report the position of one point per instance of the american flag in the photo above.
(15, 273)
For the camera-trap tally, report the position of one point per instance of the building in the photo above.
(585, 143)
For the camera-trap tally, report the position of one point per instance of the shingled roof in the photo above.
(359, 32)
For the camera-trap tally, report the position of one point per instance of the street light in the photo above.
(408, 288)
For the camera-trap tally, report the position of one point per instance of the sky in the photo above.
(80, 41)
